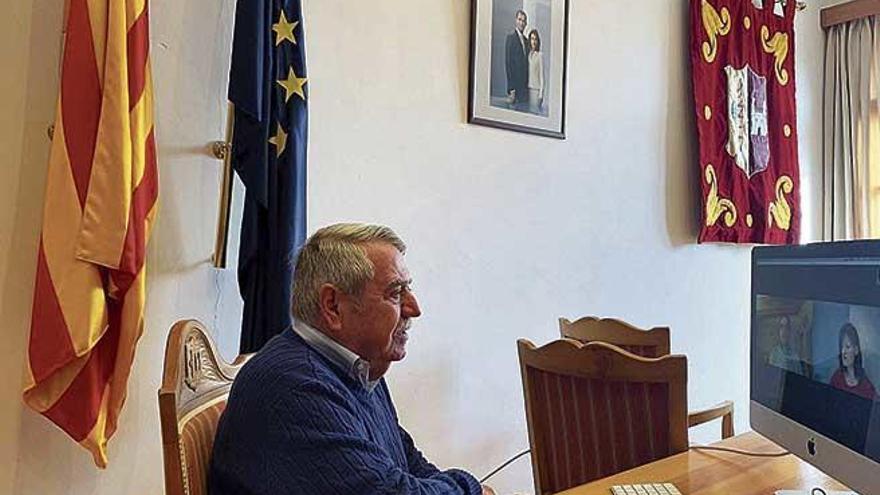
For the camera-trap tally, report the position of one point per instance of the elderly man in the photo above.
(310, 413)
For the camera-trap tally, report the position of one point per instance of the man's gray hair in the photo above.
(335, 255)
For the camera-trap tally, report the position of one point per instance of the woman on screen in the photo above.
(850, 376)
(536, 73)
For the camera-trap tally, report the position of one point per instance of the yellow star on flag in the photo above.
(293, 85)
(284, 29)
(279, 140)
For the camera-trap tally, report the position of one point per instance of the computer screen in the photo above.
(815, 355)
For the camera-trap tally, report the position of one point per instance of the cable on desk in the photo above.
(742, 452)
(506, 463)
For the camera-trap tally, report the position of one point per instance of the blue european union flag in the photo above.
(267, 85)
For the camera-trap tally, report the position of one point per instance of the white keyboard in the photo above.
(646, 489)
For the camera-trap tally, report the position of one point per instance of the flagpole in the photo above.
(223, 150)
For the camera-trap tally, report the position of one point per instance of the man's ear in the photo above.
(329, 307)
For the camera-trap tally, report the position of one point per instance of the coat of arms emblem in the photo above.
(747, 140)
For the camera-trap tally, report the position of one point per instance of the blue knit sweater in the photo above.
(296, 424)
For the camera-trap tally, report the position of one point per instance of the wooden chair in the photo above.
(647, 343)
(595, 409)
(652, 343)
(195, 385)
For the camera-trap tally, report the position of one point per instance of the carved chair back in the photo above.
(650, 343)
(195, 385)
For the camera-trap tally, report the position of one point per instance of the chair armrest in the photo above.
(723, 410)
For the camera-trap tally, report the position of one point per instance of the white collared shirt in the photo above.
(357, 367)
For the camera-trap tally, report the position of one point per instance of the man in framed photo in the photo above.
(517, 76)
(517, 63)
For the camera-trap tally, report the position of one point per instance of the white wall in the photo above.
(507, 231)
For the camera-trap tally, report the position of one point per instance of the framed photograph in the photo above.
(519, 52)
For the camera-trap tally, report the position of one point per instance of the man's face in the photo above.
(520, 22)
(375, 324)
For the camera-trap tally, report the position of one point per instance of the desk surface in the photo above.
(708, 472)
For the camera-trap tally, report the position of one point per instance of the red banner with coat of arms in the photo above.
(742, 59)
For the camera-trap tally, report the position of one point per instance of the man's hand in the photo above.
(487, 490)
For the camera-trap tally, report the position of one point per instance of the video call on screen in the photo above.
(816, 346)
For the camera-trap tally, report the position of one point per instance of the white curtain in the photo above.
(851, 125)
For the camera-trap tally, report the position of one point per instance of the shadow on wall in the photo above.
(682, 153)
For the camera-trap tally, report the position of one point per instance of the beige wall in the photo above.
(19, 211)
(26, 85)
(507, 231)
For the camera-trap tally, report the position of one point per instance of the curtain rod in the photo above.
(849, 11)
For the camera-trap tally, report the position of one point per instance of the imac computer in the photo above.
(815, 356)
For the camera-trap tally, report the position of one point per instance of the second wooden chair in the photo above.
(651, 343)
(594, 410)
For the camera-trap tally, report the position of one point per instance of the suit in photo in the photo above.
(517, 66)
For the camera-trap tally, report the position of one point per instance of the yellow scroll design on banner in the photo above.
(715, 25)
(716, 205)
(778, 47)
(780, 210)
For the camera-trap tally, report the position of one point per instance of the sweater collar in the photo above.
(355, 366)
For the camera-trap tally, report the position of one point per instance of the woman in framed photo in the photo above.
(518, 65)
(536, 73)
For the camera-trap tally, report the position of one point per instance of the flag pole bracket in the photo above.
(220, 149)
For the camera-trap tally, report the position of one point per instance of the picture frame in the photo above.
(524, 92)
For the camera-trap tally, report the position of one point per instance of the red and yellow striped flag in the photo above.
(101, 195)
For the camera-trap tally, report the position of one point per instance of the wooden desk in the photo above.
(708, 472)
